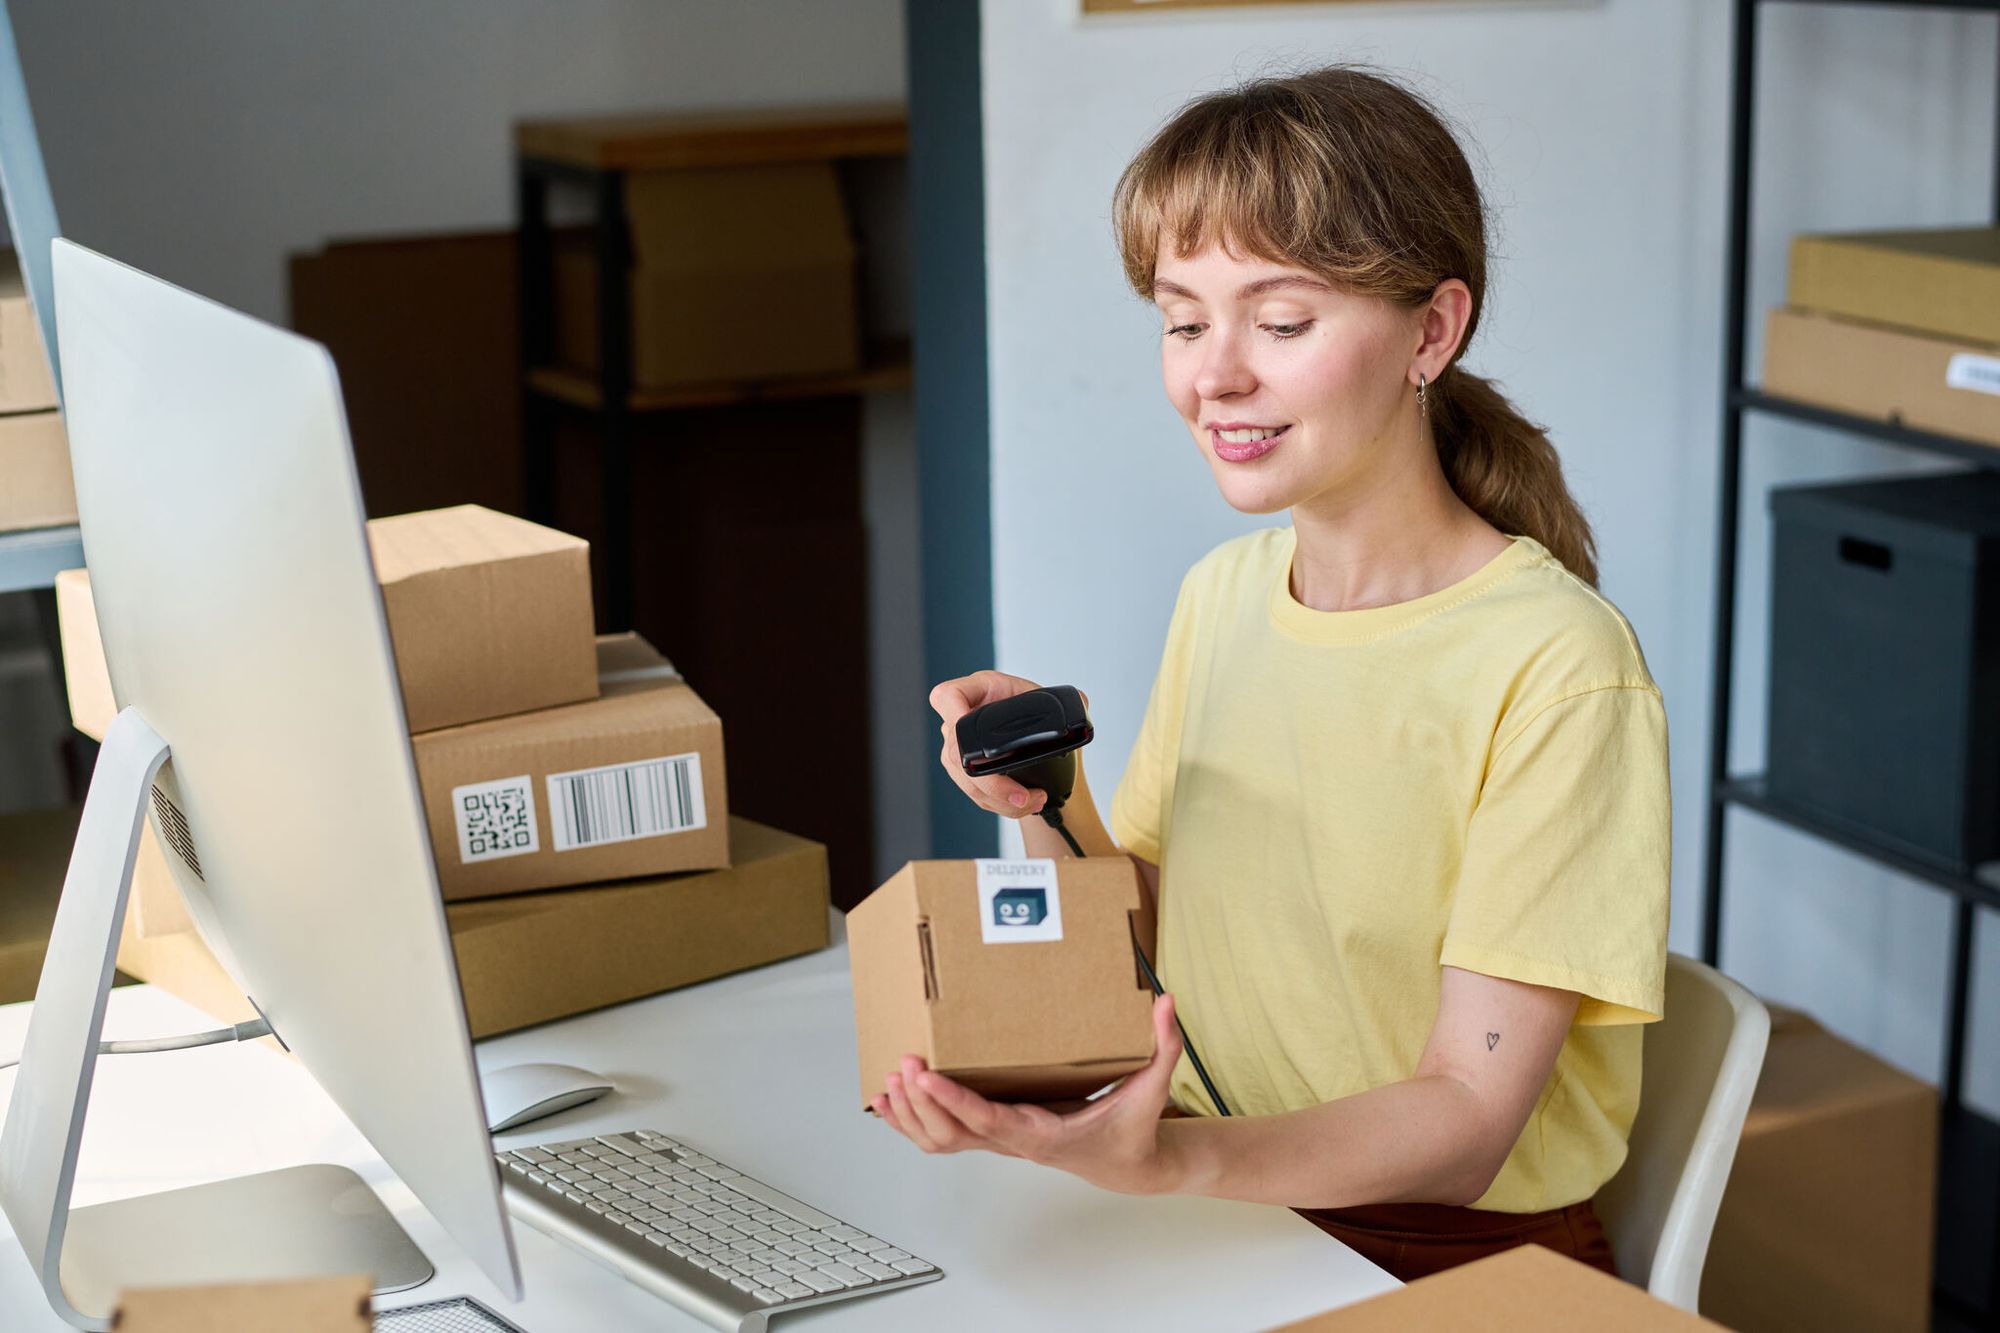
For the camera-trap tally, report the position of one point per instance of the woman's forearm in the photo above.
(1080, 817)
(1417, 1141)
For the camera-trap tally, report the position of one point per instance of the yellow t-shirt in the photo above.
(1341, 803)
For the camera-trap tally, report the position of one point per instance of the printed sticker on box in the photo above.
(1969, 370)
(495, 818)
(649, 798)
(1019, 901)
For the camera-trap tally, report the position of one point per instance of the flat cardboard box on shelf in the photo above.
(503, 777)
(737, 273)
(26, 383)
(1942, 281)
(1909, 379)
(36, 489)
(1528, 1289)
(539, 957)
(629, 783)
(1827, 1221)
(1017, 978)
(490, 614)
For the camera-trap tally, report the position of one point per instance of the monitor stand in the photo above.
(301, 1222)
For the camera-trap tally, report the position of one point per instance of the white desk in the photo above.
(758, 1069)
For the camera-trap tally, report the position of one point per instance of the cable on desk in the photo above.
(246, 1031)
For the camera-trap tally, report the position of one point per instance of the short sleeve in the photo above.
(1139, 806)
(1565, 876)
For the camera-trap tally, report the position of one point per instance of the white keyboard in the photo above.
(728, 1249)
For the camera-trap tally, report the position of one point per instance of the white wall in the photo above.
(1604, 133)
(206, 140)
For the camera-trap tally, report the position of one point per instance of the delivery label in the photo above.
(495, 818)
(1019, 901)
(1969, 370)
(619, 802)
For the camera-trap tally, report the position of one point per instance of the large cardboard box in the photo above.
(1940, 281)
(1827, 1221)
(538, 957)
(1017, 978)
(26, 383)
(1528, 1289)
(489, 614)
(36, 489)
(1908, 379)
(737, 273)
(629, 783)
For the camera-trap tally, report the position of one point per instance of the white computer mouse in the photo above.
(520, 1093)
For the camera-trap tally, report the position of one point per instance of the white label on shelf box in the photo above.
(1019, 901)
(1969, 370)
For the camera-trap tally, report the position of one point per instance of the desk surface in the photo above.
(757, 1069)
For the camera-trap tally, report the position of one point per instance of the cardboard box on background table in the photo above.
(1918, 380)
(1017, 978)
(489, 614)
(629, 783)
(537, 957)
(298, 1305)
(743, 272)
(36, 489)
(1944, 280)
(1828, 1219)
(1528, 1289)
(26, 382)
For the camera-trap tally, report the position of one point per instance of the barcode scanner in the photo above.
(1033, 738)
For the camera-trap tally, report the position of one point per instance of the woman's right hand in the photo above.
(953, 700)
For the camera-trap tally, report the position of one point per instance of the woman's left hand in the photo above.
(1113, 1142)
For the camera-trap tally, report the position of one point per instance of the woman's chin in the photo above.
(1250, 495)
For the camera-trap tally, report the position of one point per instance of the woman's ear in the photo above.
(1440, 328)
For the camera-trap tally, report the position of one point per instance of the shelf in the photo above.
(1977, 6)
(887, 366)
(31, 558)
(716, 138)
(1982, 886)
(1951, 446)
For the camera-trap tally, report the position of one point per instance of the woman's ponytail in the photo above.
(1504, 468)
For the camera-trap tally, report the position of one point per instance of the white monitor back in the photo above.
(241, 617)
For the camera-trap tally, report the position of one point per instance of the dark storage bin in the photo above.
(1885, 661)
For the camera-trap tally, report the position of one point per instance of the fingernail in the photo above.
(1018, 798)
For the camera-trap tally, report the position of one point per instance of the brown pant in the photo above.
(1413, 1240)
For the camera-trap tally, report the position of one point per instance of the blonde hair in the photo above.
(1350, 175)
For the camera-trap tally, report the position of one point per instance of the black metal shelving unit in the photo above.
(1969, 1168)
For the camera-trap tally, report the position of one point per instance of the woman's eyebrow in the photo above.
(1166, 287)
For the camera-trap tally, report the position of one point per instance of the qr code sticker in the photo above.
(495, 818)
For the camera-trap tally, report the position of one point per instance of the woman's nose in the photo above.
(1225, 370)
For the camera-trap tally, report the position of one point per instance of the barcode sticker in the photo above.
(1969, 370)
(495, 818)
(589, 807)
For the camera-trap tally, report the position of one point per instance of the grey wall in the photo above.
(205, 140)
(1601, 129)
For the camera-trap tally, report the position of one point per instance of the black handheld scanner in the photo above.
(1032, 738)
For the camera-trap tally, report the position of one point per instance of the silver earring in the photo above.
(1423, 402)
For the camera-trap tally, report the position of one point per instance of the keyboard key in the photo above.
(793, 1249)
(744, 1283)
(719, 1268)
(779, 1222)
(875, 1270)
(656, 1238)
(742, 1264)
(831, 1249)
(912, 1266)
(845, 1276)
(791, 1291)
(789, 1266)
(819, 1281)
(637, 1228)
(783, 1203)
(518, 1168)
(888, 1255)
(648, 1215)
(845, 1233)
(765, 1296)
(594, 1206)
(720, 1173)
(624, 1146)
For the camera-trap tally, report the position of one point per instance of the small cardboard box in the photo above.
(629, 783)
(1017, 978)
(26, 383)
(297, 1305)
(1528, 1289)
(36, 489)
(1908, 379)
(543, 956)
(1942, 281)
(489, 614)
(1828, 1218)
(738, 273)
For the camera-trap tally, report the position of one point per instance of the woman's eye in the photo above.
(1185, 331)
(1282, 331)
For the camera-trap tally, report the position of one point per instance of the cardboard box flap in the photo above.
(752, 219)
(1034, 1003)
(409, 545)
(1972, 245)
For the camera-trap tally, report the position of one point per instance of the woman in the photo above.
(1401, 790)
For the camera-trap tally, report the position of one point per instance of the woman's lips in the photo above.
(1243, 453)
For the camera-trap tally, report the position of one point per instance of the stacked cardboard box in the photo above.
(1901, 327)
(35, 486)
(549, 759)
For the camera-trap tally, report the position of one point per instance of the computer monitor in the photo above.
(249, 654)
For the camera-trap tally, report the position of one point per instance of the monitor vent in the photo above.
(175, 826)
